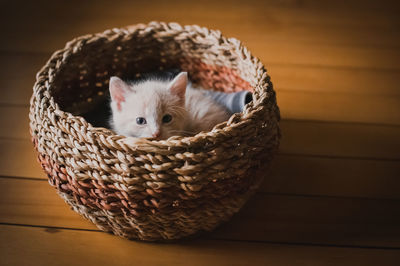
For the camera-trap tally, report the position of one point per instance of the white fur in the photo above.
(152, 99)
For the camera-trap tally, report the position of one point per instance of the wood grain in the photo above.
(316, 220)
(269, 51)
(15, 122)
(35, 202)
(299, 137)
(362, 159)
(268, 218)
(293, 34)
(17, 158)
(296, 174)
(303, 92)
(304, 175)
(43, 246)
(339, 107)
(340, 140)
(17, 76)
(351, 82)
(18, 71)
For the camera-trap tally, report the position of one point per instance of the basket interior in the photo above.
(81, 86)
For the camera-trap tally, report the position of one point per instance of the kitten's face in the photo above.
(151, 109)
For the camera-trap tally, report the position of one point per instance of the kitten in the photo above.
(158, 109)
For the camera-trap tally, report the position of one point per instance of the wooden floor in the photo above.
(332, 196)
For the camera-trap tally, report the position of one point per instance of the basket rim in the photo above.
(263, 92)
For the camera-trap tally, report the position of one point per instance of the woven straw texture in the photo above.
(145, 189)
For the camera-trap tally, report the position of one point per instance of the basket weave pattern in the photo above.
(152, 190)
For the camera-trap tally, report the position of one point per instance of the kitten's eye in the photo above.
(140, 120)
(166, 118)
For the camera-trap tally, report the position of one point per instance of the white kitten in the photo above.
(160, 109)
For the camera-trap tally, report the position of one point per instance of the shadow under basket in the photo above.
(152, 190)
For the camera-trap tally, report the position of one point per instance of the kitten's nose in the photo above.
(156, 134)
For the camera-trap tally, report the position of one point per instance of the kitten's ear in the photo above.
(178, 85)
(118, 89)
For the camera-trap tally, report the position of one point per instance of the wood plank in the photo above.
(42, 246)
(18, 158)
(15, 122)
(294, 104)
(339, 107)
(18, 71)
(342, 81)
(288, 174)
(280, 26)
(339, 177)
(331, 48)
(366, 104)
(309, 18)
(340, 139)
(319, 106)
(37, 203)
(299, 137)
(311, 106)
(274, 52)
(326, 106)
(317, 220)
(284, 219)
(269, 51)
(389, 6)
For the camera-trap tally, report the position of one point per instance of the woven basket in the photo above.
(152, 190)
